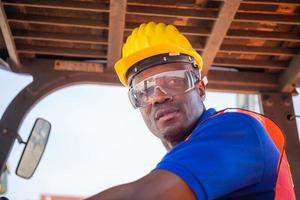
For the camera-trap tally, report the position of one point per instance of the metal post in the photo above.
(279, 107)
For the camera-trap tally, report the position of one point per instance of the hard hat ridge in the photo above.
(151, 39)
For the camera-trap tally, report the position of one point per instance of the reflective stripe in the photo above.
(284, 184)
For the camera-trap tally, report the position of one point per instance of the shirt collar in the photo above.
(206, 115)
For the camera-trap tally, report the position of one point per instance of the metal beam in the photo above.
(264, 35)
(211, 14)
(62, 51)
(48, 67)
(233, 34)
(218, 33)
(275, 18)
(202, 13)
(243, 63)
(241, 82)
(77, 66)
(116, 30)
(58, 21)
(171, 3)
(272, 2)
(186, 30)
(258, 50)
(292, 75)
(9, 41)
(253, 64)
(258, 8)
(59, 37)
(187, 2)
(225, 81)
(279, 107)
(58, 4)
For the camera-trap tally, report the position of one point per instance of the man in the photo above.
(224, 155)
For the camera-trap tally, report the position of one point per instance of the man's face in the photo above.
(171, 118)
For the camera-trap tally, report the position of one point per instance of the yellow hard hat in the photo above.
(153, 39)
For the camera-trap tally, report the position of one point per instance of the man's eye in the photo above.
(141, 94)
(149, 90)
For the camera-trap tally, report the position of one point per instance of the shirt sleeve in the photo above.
(222, 155)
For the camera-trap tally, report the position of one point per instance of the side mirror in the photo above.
(34, 149)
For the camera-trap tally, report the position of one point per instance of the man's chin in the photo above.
(172, 133)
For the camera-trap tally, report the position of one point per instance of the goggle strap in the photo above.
(158, 60)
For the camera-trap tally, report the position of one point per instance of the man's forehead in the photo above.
(159, 69)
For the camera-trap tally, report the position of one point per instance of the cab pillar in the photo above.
(279, 107)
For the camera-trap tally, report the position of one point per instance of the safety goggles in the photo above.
(169, 83)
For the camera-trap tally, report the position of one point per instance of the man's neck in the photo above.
(171, 144)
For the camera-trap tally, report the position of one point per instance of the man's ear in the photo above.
(202, 88)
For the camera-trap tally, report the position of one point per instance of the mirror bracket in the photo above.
(20, 140)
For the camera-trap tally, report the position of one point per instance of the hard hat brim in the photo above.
(124, 64)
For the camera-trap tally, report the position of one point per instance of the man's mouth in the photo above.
(165, 113)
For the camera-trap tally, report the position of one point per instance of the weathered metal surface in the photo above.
(116, 31)
(279, 107)
(292, 75)
(217, 35)
(9, 41)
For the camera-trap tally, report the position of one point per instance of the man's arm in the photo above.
(159, 184)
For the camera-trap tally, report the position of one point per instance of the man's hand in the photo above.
(159, 184)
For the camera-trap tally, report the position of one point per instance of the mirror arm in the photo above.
(20, 140)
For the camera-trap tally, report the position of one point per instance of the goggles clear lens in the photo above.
(170, 83)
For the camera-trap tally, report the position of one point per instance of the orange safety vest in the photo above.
(284, 188)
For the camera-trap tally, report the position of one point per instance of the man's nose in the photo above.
(159, 96)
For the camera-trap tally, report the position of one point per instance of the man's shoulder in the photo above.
(229, 121)
(230, 117)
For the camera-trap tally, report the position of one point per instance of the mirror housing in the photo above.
(34, 149)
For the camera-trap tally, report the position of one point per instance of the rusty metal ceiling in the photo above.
(248, 46)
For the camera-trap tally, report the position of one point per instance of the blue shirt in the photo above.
(228, 156)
